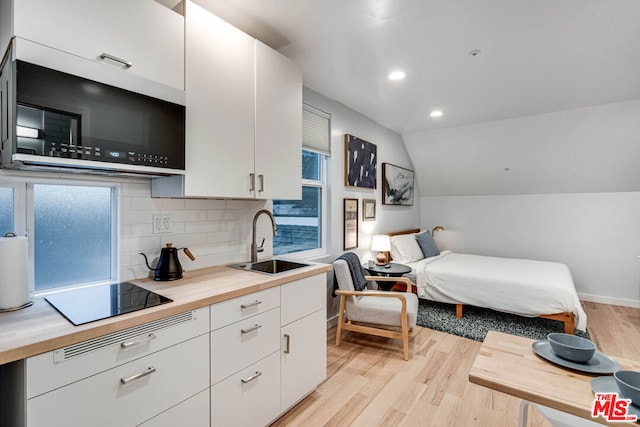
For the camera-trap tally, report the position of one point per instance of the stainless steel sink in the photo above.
(270, 266)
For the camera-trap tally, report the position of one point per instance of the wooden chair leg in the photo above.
(405, 337)
(340, 320)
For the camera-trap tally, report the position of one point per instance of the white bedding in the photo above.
(518, 286)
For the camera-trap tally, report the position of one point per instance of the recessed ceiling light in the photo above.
(397, 75)
(436, 113)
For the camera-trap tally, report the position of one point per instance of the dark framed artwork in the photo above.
(350, 224)
(368, 209)
(398, 185)
(360, 163)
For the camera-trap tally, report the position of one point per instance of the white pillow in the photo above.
(405, 248)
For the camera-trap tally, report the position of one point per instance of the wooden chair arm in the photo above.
(404, 280)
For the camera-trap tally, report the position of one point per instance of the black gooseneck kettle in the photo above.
(168, 267)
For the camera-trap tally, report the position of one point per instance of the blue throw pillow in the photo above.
(427, 244)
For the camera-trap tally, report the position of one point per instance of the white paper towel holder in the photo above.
(25, 305)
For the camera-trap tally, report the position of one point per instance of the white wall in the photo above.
(217, 232)
(570, 195)
(390, 149)
(596, 234)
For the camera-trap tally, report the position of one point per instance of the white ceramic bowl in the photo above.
(629, 385)
(571, 347)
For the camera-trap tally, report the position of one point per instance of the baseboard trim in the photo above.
(609, 300)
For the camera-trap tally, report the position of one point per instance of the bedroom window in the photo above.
(71, 230)
(302, 223)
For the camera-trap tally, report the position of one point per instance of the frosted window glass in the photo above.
(72, 235)
(6, 210)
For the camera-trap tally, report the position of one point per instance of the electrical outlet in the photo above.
(161, 224)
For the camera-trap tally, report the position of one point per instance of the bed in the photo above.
(518, 286)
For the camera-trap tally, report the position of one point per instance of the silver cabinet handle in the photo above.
(261, 179)
(251, 378)
(287, 348)
(129, 344)
(251, 304)
(251, 329)
(125, 64)
(252, 180)
(150, 370)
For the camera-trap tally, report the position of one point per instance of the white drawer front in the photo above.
(57, 368)
(193, 412)
(303, 297)
(237, 346)
(255, 402)
(103, 400)
(228, 312)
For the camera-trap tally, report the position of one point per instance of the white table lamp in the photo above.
(382, 244)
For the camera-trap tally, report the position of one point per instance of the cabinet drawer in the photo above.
(57, 368)
(249, 398)
(103, 399)
(302, 297)
(233, 310)
(236, 346)
(193, 412)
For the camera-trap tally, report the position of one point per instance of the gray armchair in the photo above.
(385, 314)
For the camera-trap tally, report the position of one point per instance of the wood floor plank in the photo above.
(369, 384)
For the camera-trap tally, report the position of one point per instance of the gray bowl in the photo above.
(629, 385)
(571, 347)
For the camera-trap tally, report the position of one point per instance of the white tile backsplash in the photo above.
(217, 232)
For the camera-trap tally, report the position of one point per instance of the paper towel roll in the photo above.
(14, 280)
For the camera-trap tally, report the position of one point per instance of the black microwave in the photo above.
(54, 119)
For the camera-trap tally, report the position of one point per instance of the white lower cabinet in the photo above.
(128, 394)
(281, 356)
(304, 357)
(250, 397)
(304, 338)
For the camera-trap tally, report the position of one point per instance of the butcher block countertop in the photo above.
(40, 328)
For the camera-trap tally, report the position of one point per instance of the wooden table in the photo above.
(507, 363)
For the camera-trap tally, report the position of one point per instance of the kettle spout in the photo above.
(146, 261)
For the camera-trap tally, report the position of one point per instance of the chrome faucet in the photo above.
(254, 247)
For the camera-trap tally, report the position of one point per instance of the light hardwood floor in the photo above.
(369, 384)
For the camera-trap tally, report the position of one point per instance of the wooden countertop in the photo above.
(40, 328)
(507, 363)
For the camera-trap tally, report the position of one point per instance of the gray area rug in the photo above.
(476, 322)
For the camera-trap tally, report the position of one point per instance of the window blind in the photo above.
(316, 130)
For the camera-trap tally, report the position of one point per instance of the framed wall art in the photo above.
(360, 163)
(368, 209)
(350, 224)
(398, 185)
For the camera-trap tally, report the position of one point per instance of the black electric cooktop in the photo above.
(93, 303)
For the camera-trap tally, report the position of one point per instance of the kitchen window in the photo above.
(302, 223)
(71, 230)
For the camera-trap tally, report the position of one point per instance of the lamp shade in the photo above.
(380, 243)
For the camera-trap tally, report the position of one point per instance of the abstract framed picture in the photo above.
(368, 209)
(398, 185)
(360, 163)
(350, 224)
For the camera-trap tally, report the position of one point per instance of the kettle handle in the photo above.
(189, 254)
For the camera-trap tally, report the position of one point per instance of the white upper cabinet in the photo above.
(142, 37)
(244, 116)
(220, 106)
(278, 148)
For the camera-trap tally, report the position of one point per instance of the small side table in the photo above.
(392, 269)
